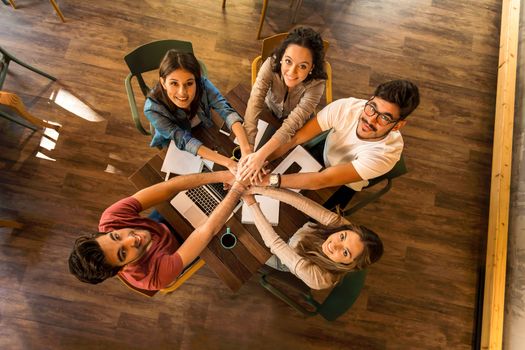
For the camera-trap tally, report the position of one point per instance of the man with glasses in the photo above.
(364, 141)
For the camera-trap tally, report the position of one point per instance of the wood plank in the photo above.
(496, 261)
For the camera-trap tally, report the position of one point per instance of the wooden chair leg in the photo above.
(57, 10)
(263, 15)
(223, 3)
(15, 102)
(10, 223)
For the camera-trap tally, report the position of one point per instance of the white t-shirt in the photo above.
(369, 158)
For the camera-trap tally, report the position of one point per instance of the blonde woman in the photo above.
(319, 254)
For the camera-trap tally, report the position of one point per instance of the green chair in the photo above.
(144, 59)
(344, 194)
(340, 299)
(398, 170)
(11, 105)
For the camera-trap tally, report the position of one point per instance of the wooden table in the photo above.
(234, 266)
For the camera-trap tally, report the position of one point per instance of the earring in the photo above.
(310, 72)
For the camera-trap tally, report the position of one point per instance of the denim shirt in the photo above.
(175, 125)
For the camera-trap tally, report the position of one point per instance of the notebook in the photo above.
(180, 162)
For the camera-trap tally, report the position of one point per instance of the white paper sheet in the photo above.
(180, 162)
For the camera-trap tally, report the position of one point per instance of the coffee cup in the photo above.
(228, 239)
(236, 154)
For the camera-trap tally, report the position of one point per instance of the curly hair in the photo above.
(87, 261)
(310, 247)
(308, 38)
(403, 93)
(172, 61)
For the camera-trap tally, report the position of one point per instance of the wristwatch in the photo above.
(275, 180)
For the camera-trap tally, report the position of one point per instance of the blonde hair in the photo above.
(310, 247)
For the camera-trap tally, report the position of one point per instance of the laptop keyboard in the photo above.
(203, 199)
(218, 190)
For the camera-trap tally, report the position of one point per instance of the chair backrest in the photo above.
(189, 271)
(398, 170)
(291, 289)
(343, 296)
(271, 43)
(147, 57)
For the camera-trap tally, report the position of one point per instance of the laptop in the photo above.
(196, 204)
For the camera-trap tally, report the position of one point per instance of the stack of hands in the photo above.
(246, 175)
(251, 169)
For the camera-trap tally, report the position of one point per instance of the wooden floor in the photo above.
(421, 295)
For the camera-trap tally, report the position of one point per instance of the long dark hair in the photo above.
(308, 38)
(172, 61)
(310, 247)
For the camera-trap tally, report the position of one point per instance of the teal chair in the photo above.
(144, 59)
(398, 170)
(344, 194)
(339, 301)
(11, 105)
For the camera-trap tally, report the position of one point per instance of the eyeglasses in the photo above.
(381, 119)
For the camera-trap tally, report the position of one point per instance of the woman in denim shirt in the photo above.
(183, 99)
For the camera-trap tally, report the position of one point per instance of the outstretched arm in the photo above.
(332, 176)
(218, 158)
(309, 273)
(307, 132)
(199, 239)
(283, 136)
(242, 137)
(166, 190)
(309, 207)
(256, 102)
(251, 166)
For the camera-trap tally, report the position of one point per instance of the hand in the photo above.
(251, 165)
(239, 179)
(263, 181)
(245, 153)
(232, 167)
(260, 175)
